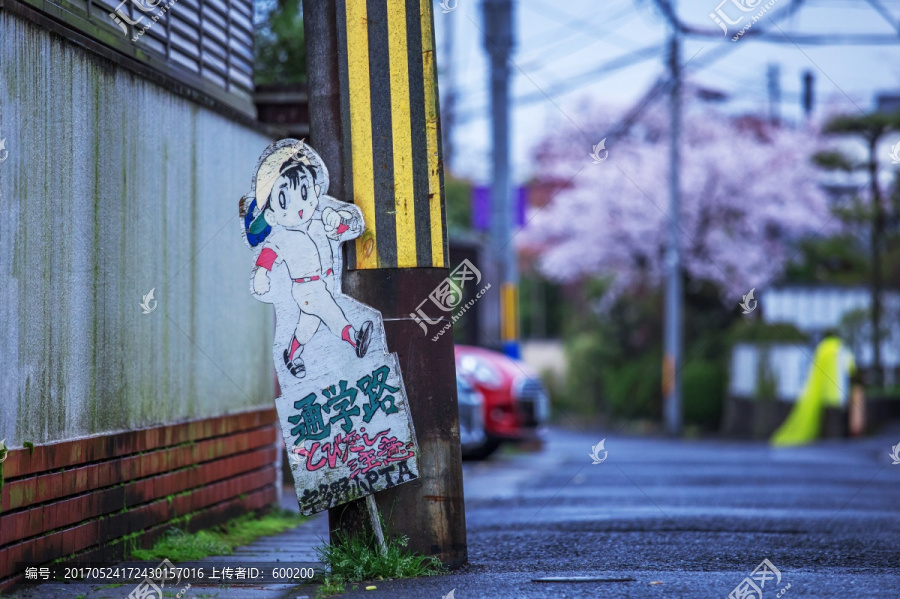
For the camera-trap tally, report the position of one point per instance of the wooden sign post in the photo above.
(343, 409)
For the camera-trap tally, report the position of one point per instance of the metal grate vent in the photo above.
(205, 44)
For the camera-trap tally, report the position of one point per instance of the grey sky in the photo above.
(558, 41)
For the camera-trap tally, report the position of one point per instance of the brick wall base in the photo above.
(95, 499)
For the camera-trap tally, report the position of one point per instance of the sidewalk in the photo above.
(293, 548)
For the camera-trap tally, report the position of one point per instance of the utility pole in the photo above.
(320, 26)
(498, 40)
(374, 113)
(673, 325)
(773, 84)
(808, 94)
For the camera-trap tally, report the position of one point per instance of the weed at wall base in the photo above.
(357, 558)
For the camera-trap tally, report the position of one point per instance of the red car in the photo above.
(515, 403)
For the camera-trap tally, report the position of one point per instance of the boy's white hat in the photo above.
(269, 169)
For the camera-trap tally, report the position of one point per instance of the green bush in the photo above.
(703, 388)
(633, 390)
(584, 385)
(758, 331)
(280, 55)
(600, 382)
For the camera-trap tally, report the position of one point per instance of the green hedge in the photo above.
(633, 390)
(583, 387)
(703, 388)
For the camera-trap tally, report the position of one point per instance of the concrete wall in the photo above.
(114, 186)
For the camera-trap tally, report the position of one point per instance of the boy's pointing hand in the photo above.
(331, 219)
(337, 222)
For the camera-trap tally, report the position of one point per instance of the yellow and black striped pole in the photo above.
(373, 86)
(392, 149)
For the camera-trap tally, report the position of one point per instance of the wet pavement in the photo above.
(681, 518)
(678, 518)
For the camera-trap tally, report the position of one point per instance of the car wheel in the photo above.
(483, 450)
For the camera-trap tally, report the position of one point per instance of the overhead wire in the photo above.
(761, 34)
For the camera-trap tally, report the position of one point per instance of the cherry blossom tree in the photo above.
(748, 190)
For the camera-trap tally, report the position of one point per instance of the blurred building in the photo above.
(813, 310)
(286, 106)
(134, 358)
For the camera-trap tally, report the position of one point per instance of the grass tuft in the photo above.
(330, 586)
(357, 558)
(180, 546)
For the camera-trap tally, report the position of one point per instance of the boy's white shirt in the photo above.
(300, 251)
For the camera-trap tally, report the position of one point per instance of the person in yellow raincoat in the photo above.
(831, 375)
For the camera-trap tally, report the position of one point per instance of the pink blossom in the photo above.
(748, 192)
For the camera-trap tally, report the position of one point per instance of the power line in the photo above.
(701, 62)
(615, 64)
(576, 23)
(539, 63)
(882, 10)
(571, 25)
(828, 39)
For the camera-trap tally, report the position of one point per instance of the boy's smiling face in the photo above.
(292, 206)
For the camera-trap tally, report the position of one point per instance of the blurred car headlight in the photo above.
(466, 393)
(480, 371)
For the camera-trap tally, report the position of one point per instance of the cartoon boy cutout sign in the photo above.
(300, 228)
(347, 385)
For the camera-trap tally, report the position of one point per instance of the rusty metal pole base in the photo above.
(430, 510)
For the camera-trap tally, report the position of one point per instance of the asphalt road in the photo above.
(681, 518)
